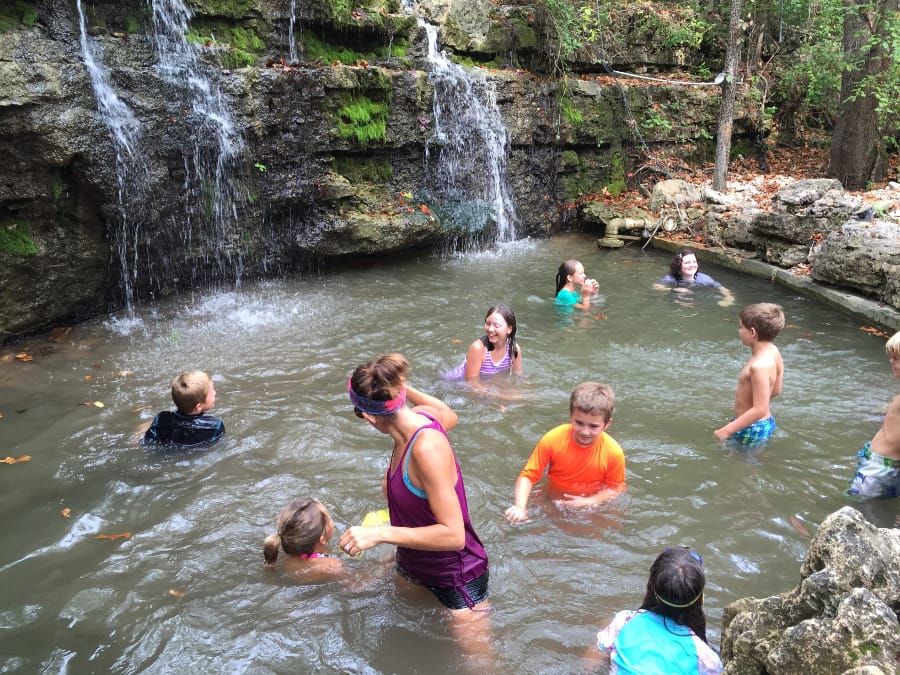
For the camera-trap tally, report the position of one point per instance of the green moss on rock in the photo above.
(16, 239)
(17, 14)
(363, 119)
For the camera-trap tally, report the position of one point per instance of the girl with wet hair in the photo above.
(571, 276)
(494, 352)
(667, 635)
(303, 531)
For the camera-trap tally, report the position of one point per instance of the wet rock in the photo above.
(841, 617)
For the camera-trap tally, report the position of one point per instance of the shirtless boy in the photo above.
(878, 463)
(760, 379)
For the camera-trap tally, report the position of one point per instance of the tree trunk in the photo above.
(857, 150)
(729, 86)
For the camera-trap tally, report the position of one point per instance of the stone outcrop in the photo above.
(327, 152)
(841, 617)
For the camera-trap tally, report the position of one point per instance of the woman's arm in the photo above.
(433, 406)
(431, 468)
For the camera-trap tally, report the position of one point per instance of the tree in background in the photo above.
(870, 85)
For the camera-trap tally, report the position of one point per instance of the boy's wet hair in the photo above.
(299, 527)
(675, 589)
(593, 398)
(766, 318)
(893, 346)
(189, 389)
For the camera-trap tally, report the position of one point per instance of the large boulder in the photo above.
(841, 617)
(864, 256)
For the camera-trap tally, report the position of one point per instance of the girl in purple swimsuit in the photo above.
(494, 352)
(437, 546)
(304, 529)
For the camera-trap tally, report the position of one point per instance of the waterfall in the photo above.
(131, 173)
(210, 180)
(292, 45)
(466, 156)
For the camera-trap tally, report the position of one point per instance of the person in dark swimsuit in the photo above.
(194, 394)
(437, 546)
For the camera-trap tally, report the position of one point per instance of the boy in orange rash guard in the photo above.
(585, 464)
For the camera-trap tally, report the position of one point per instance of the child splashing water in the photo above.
(304, 529)
(667, 635)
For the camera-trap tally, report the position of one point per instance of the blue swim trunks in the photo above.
(876, 476)
(756, 434)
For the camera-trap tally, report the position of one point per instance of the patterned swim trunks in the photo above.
(876, 476)
(754, 435)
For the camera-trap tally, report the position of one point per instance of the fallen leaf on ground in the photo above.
(16, 460)
(65, 513)
(24, 357)
(113, 537)
(88, 378)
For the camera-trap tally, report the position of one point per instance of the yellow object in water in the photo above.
(376, 518)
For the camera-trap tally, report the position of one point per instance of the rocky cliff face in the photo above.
(283, 140)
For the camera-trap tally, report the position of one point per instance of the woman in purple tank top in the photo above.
(494, 352)
(437, 546)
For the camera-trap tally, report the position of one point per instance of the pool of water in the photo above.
(187, 589)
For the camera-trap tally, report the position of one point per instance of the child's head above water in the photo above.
(193, 388)
(593, 398)
(765, 317)
(303, 527)
(675, 588)
(893, 346)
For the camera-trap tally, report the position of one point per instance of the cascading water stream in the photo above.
(131, 173)
(292, 43)
(209, 180)
(466, 157)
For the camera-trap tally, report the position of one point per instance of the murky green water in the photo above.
(187, 591)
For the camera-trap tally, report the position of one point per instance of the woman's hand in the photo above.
(358, 539)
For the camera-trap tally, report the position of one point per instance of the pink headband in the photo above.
(373, 407)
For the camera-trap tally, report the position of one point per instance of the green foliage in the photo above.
(131, 24)
(656, 119)
(365, 170)
(314, 48)
(677, 27)
(571, 114)
(234, 9)
(616, 185)
(16, 239)
(259, 166)
(237, 46)
(363, 119)
(17, 14)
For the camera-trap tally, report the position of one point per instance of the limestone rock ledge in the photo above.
(841, 617)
